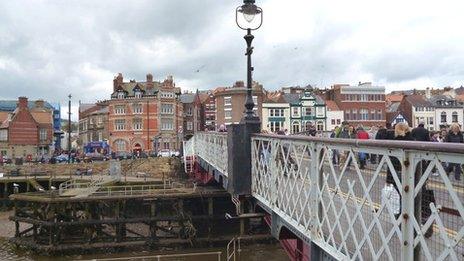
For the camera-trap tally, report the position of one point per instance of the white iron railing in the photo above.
(85, 188)
(365, 200)
(212, 148)
(189, 154)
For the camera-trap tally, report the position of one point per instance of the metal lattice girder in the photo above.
(332, 191)
(212, 148)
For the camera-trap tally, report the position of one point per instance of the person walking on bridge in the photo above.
(420, 133)
(454, 136)
(361, 134)
(335, 153)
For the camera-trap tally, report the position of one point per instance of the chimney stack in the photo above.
(118, 80)
(239, 84)
(22, 102)
(39, 104)
(150, 81)
(428, 94)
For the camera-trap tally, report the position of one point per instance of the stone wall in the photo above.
(154, 167)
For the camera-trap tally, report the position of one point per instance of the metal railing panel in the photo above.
(212, 148)
(365, 200)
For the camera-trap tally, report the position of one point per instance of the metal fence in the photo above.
(212, 148)
(365, 200)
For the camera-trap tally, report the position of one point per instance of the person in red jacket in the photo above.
(361, 134)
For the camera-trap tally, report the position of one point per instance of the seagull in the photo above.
(201, 67)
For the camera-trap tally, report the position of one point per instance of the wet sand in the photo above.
(7, 228)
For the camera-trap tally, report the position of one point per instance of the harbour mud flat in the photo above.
(7, 228)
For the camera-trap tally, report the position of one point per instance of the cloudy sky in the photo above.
(49, 49)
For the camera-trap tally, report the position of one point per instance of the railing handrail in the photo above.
(393, 144)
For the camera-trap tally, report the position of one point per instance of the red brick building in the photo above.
(209, 104)
(230, 102)
(193, 114)
(362, 104)
(144, 116)
(26, 133)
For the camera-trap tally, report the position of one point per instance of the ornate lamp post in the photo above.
(252, 20)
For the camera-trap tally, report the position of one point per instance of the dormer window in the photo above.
(121, 95)
(138, 94)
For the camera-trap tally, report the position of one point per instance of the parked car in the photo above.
(164, 153)
(61, 158)
(5, 160)
(175, 153)
(89, 157)
(122, 155)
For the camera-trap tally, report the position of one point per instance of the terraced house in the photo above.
(294, 111)
(144, 116)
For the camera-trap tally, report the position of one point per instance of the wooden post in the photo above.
(51, 213)
(16, 222)
(210, 206)
(5, 190)
(153, 224)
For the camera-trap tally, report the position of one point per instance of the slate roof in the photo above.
(187, 97)
(85, 106)
(418, 101)
(393, 107)
(451, 101)
(292, 98)
(129, 87)
(10, 105)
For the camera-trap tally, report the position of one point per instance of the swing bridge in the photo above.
(327, 199)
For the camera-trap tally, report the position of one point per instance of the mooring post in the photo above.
(118, 227)
(5, 190)
(16, 222)
(51, 214)
(210, 206)
(152, 222)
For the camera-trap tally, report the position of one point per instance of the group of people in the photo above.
(401, 131)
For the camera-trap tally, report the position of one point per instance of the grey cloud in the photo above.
(49, 49)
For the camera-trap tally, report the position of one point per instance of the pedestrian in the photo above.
(335, 153)
(347, 133)
(402, 133)
(420, 133)
(435, 137)
(454, 136)
(372, 133)
(361, 134)
(222, 128)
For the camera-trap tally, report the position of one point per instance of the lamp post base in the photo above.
(254, 119)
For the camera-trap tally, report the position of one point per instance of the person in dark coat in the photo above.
(420, 133)
(454, 136)
(401, 133)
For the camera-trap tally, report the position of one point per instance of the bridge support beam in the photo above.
(239, 151)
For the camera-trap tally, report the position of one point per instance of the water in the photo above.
(253, 253)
